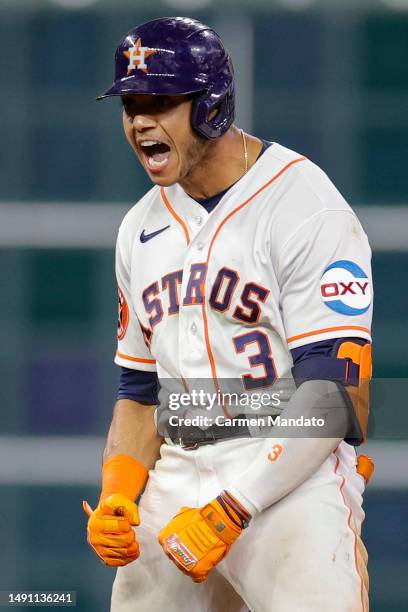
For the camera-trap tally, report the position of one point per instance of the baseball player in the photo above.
(243, 263)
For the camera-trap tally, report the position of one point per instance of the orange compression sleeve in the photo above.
(123, 474)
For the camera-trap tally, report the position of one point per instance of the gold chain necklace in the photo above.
(245, 150)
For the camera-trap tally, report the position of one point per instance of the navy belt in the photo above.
(190, 438)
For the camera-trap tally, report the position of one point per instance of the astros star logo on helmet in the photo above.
(137, 56)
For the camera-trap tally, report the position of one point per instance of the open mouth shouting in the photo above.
(156, 155)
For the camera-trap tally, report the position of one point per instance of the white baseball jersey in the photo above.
(280, 262)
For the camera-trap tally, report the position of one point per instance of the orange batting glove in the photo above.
(110, 525)
(365, 467)
(196, 539)
(110, 530)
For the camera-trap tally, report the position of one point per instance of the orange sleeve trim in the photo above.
(329, 329)
(221, 225)
(175, 215)
(137, 359)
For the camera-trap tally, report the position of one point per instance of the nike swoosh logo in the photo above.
(145, 237)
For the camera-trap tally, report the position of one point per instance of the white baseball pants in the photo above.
(303, 554)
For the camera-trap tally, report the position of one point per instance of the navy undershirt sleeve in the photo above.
(138, 386)
(324, 348)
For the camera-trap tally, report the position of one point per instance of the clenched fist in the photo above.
(110, 531)
(196, 539)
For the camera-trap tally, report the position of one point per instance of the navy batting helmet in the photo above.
(176, 56)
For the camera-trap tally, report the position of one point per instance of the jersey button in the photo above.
(200, 246)
(193, 328)
(198, 220)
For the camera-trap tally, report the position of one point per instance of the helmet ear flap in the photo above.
(219, 97)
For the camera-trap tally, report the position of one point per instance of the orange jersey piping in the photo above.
(175, 215)
(350, 516)
(329, 329)
(137, 359)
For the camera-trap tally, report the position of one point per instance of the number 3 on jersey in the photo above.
(262, 358)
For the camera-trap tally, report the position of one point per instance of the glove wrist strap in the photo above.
(234, 510)
(123, 474)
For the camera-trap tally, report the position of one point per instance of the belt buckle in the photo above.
(188, 445)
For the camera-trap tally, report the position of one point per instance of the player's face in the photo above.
(158, 129)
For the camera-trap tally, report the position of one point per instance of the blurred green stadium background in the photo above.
(328, 79)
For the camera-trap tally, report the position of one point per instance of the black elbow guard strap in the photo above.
(351, 365)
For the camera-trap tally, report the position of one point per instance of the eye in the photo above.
(126, 105)
(163, 102)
